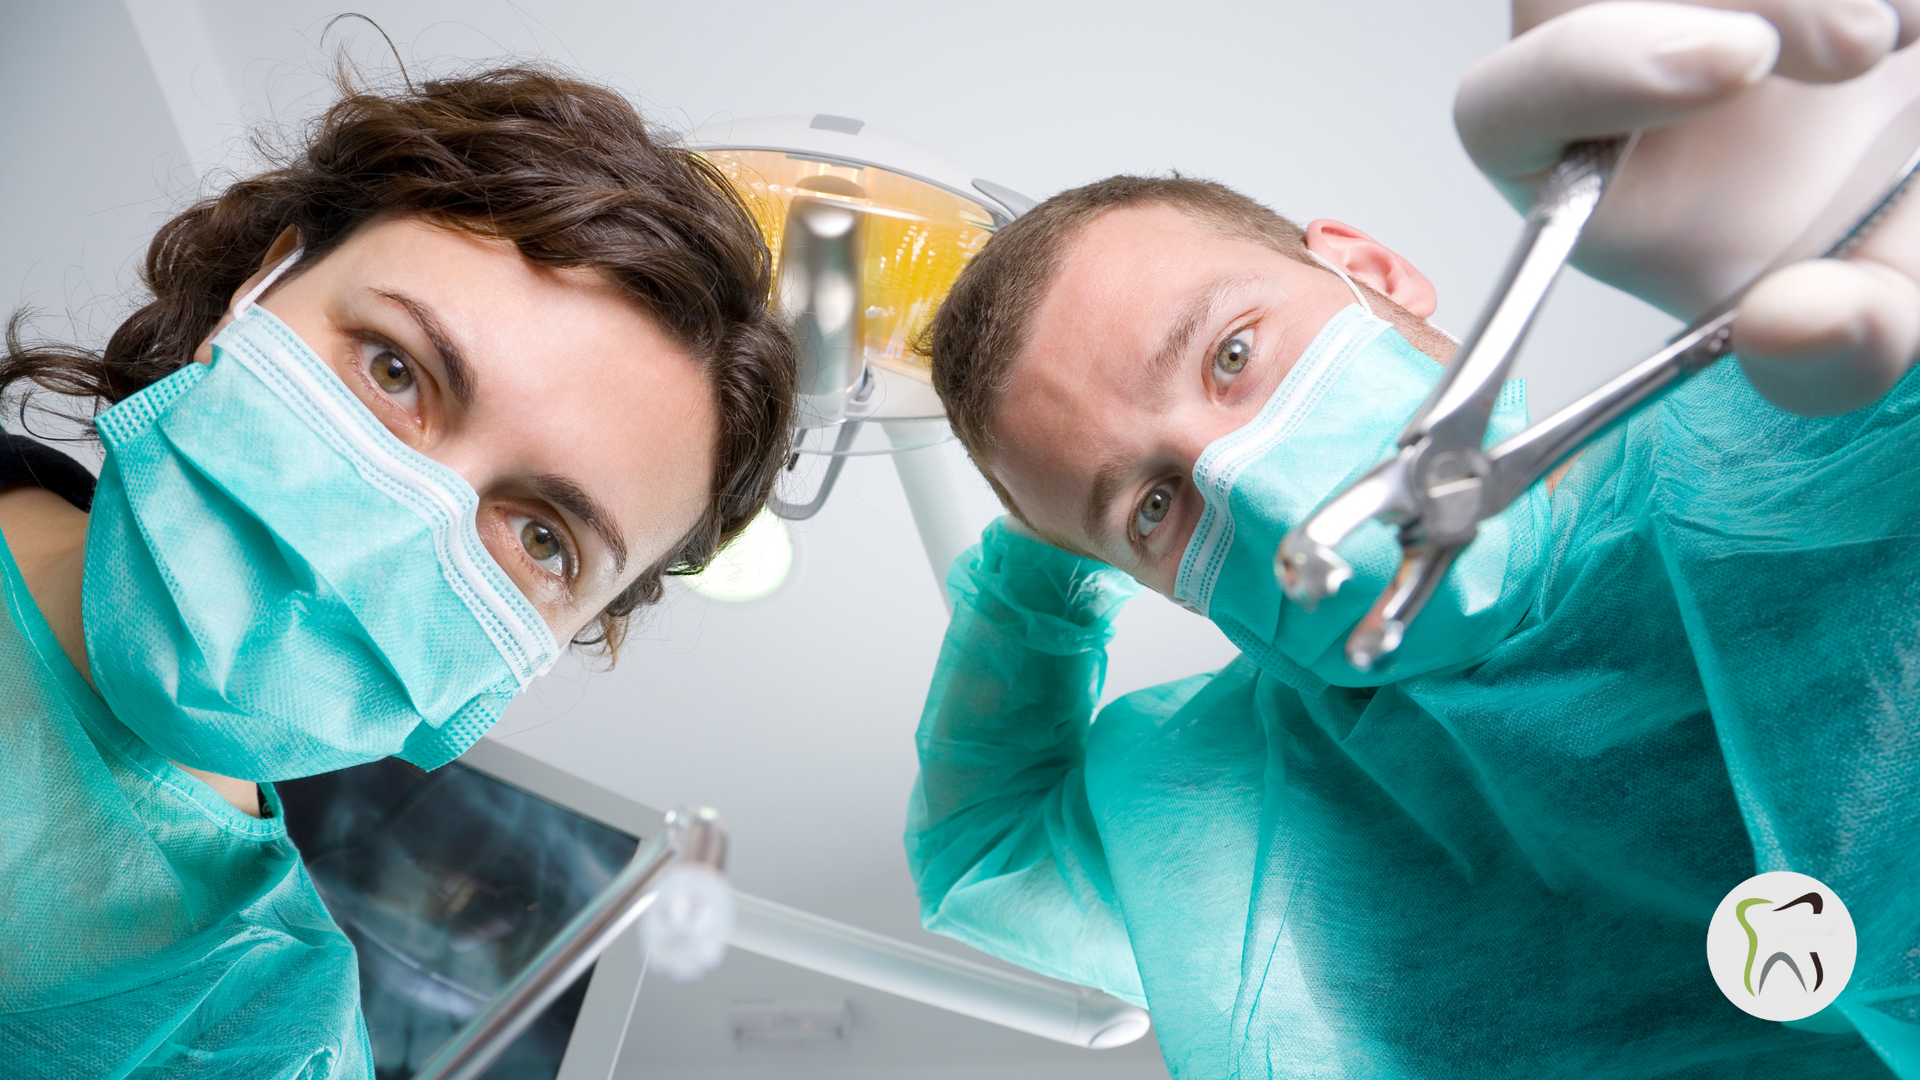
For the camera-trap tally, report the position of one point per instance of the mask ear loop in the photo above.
(1342, 274)
(1362, 297)
(245, 303)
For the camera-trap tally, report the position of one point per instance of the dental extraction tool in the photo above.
(1441, 483)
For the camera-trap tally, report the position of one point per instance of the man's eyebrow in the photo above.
(1165, 363)
(459, 372)
(569, 496)
(1108, 479)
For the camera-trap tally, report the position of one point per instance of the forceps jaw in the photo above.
(1449, 485)
(1443, 484)
(1380, 632)
(1434, 484)
(1433, 495)
(1309, 568)
(1444, 517)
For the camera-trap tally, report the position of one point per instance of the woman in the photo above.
(456, 386)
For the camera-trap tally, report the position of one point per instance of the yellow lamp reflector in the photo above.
(918, 237)
(756, 564)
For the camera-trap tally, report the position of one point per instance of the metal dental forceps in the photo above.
(1441, 484)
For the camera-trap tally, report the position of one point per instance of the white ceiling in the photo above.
(795, 714)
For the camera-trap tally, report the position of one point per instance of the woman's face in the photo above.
(588, 433)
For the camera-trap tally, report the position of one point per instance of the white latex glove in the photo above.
(1755, 112)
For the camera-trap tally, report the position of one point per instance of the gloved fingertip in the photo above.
(1708, 53)
(1908, 14)
(1604, 69)
(1835, 40)
(1827, 336)
(1839, 384)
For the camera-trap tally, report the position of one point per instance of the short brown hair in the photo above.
(567, 171)
(983, 325)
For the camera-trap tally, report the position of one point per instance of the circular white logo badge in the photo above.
(1781, 946)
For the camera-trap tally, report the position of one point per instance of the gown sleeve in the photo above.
(1000, 837)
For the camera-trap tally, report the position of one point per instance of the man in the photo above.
(1496, 854)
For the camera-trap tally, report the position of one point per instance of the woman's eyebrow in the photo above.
(569, 496)
(459, 372)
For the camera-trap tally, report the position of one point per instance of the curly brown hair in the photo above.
(567, 171)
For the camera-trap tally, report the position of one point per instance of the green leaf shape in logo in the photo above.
(1753, 939)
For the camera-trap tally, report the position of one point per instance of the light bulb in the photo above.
(754, 565)
(685, 928)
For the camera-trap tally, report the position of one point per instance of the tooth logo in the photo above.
(1781, 946)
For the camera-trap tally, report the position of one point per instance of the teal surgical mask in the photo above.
(1336, 415)
(276, 586)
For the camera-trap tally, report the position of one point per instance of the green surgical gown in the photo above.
(1500, 870)
(148, 928)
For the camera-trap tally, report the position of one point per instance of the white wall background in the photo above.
(795, 714)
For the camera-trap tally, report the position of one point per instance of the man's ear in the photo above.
(1373, 264)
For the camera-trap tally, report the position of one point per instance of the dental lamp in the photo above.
(868, 232)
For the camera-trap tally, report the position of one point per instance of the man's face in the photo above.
(1156, 338)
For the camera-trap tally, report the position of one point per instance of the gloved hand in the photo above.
(1755, 112)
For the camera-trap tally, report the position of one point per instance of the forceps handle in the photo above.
(1456, 413)
(1525, 458)
(1442, 444)
(1533, 453)
(1514, 466)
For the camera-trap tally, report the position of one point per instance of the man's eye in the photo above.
(543, 546)
(1153, 510)
(1232, 358)
(391, 371)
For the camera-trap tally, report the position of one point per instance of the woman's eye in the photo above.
(390, 371)
(1232, 358)
(543, 546)
(1153, 510)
